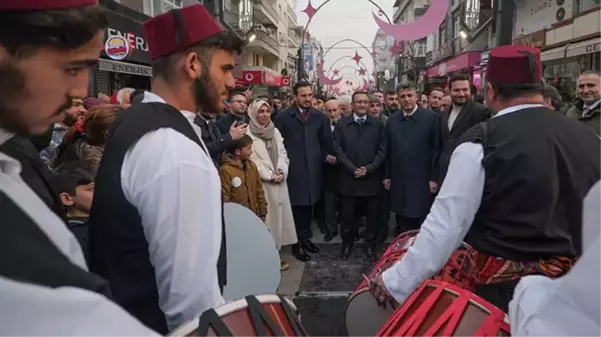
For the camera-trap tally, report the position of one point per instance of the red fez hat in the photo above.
(514, 64)
(179, 29)
(43, 5)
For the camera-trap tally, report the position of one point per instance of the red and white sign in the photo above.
(252, 77)
(264, 77)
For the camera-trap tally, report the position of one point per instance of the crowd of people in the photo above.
(140, 177)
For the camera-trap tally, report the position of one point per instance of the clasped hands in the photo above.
(277, 177)
(360, 172)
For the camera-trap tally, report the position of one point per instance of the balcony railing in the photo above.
(266, 42)
(264, 13)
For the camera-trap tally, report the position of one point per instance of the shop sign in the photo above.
(252, 76)
(125, 40)
(125, 68)
(265, 78)
(593, 47)
(532, 15)
(271, 79)
(532, 40)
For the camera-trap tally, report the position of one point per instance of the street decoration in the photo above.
(362, 72)
(357, 57)
(310, 10)
(396, 49)
(420, 28)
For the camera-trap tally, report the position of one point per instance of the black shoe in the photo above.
(329, 237)
(309, 246)
(299, 253)
(346, 251)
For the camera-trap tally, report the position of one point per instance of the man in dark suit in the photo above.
(304, 130)
(328, 219)
(413, 147)
(460, 117)
(359, 143)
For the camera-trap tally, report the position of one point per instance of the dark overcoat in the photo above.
(306, 144)
(330, 171)
(356, 146)
(413, 147)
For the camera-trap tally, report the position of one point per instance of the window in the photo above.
(420, 49)
(456, 26)
(167, 5)
(587, 4)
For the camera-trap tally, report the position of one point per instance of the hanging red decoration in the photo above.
(357, 58)
(310, 10)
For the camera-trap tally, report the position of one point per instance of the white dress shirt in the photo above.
(453, 114)
(450, 219)
(569, 305)
(176, 188)
(32, 310)
(15, 188)
(586, 109)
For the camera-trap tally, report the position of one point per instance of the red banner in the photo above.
(264, 78)
(285, 81)
(252, 77)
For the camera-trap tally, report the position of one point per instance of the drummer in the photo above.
(514, 190)
(156, 229)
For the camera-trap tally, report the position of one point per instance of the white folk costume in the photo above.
(33, 310)
(270, 156)
(569, 305)
(45, 288)
(156, 229)
(514, 192)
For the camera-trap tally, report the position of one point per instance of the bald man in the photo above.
(328, 222)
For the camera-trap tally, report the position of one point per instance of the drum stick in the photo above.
(370, 281)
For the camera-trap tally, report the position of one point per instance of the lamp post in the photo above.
(504, 13)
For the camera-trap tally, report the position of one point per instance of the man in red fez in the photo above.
(46, 50)
(514, 190)
(156, 230)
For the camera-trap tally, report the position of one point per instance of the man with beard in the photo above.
(46, 49)
(237, 112)
(72, 114)
(463, 114)
(156, 226)
(587, 109)
(380, 96)
(215, 141)
(391, 100)
(445, 102)
(514, 192)
(306, 140)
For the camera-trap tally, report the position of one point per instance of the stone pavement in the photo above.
(320, 287)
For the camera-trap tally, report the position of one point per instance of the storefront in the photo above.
(570, 49)
(264, 81)
(125, 61)
(464, 63)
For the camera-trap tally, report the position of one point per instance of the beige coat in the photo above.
(279, 212)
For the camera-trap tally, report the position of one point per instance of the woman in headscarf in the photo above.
(269, 154)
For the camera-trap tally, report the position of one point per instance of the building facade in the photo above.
(384, 63)
(411, 61)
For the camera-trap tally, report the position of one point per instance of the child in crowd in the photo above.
(75, 184)
(240, 180)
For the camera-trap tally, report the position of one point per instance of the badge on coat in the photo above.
(236, 181)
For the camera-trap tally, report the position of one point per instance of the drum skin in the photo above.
(442, 309)
(236, 319)
(459, 270)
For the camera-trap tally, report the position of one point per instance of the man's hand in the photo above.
(382, 295)
(274, 177)
(331, 159)
(262, 218)
(238, 130)
(386, 183)
(433, 187)
(279, 178)
(249, 95)
(360, 172)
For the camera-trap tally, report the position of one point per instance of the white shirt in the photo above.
(569, 305)
(450, 219)
(32, 310)
(15, 188)
(176, 188)
(411, 113)
(453, 115)
(586, 109)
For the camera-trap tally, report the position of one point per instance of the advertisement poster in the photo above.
(308, 57)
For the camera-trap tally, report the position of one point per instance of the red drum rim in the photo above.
(231, 307)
